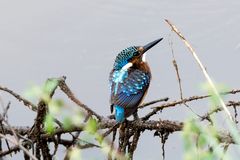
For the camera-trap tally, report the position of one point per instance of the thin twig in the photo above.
(172, 104)
(22, 130)
(153, 102)
(3, 118)
(229, 104)
(174, 28)
(185, 100)
(110, 130)
(19, 145)
(27, 103)
(5, 110)
(176, 69)
(70, 95)
(9, 151)
(178, 78)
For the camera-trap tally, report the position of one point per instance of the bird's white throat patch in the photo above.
(144, 57)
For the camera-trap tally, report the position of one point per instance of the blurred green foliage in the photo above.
(69, 117)
(200, 140)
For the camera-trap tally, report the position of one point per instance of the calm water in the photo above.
(80, 39)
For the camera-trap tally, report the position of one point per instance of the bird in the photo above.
(129, 80)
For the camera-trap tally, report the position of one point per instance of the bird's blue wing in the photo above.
(129, 91)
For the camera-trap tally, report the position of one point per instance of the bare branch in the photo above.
(19, 145)
(176, 69)
(229, 104)
(27, 103)
(153, 102)
(185, 100)
(131, 132)
(70, 95)
(174, 28)
(9, 151)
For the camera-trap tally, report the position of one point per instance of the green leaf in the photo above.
(99, 138)
(67, 123)
(49, 125)
(55, 106)
(50, 85)
(202, 141)
(91, 126)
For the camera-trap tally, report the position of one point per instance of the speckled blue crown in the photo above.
(124, 56)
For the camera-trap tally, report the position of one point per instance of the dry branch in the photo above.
(18, 144)
(174, 28)
(134, 128)
(27, 103)
(71, 96)
(185, 100)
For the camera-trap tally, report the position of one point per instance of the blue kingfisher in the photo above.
(129, 80)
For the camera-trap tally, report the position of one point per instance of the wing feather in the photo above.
(129, 92)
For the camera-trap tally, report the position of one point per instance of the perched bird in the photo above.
(129, 80)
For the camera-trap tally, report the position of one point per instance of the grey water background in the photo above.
(80, 39)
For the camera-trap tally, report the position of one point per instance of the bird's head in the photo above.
(133, 54)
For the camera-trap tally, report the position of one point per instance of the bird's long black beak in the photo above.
(150, 45)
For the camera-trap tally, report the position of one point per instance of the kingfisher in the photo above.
(129, 80)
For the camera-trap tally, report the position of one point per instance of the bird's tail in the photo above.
(119, 114)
